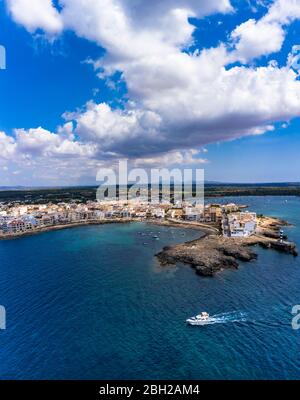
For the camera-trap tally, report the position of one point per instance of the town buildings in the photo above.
(241, 224)
(19, 218)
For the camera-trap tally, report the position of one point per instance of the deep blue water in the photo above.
(92, 303)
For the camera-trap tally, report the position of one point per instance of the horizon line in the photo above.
(35, 187)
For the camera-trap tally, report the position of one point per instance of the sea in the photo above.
(93, 303)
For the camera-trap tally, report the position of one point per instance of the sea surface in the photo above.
(92, 303)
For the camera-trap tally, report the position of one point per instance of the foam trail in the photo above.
(272, 320)
(233, 316)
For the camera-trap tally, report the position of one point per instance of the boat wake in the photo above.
(223, 318)
(233, 316)
(275, 320)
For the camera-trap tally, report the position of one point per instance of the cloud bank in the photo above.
(179, 99)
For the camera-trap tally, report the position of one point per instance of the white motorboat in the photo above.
(201, 319)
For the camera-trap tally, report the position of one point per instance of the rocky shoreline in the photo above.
(213, 252)
(208, 254)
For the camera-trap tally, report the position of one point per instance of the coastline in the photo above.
(205, 228)
(177, 224)
(61, 227)
(213, 253)
(210, 253)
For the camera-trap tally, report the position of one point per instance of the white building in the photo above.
(159, 213)
(242, 224)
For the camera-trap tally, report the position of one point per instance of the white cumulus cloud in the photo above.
(36, 14)
(265, 36)
(179, 100)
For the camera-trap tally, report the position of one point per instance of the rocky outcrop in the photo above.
(284, 247)
(213, 253)
(207, 255)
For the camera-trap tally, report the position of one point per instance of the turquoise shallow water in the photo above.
(92, 303)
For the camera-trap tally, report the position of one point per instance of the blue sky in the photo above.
(177, 85)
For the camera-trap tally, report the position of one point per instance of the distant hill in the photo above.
(242, 184)
(207, 183)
